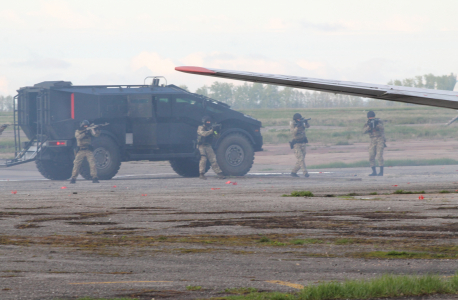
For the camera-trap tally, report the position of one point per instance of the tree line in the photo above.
(258, 95)
(6, 103)
(428, 81)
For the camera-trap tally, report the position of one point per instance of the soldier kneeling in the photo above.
(83, 137)
(205, 135)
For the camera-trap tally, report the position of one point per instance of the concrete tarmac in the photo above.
(149, 233)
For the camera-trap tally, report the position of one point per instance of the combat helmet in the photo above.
(84, 123)
(297, 116)
(205, 119)
(370, 114)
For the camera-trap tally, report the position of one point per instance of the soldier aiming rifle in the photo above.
(297, 128)
(83, 137)
(206, 133)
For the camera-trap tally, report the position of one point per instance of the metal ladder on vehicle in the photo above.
(33, 148)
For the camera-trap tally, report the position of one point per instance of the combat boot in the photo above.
(306, 175)
(73, 180)
(220, 176)
(202, 176)
(381, 172)
(374, 172)
(294, 174)
(95, 180)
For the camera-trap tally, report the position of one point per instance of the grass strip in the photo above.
(389, 163)
(382, 287)
(410, 192)
(404, 255)
(91, 298)
(299, 194)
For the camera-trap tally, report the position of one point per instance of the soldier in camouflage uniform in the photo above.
(83, 140)
(374, 127)
(205, 135)
(2, 128)
(297, 128)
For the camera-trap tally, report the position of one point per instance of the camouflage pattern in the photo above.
(299, 152)
(206, 152)
(206, 136)
(377, 144)
(83, 140)
(2, 128)
(79, 161)
(376, 151)
(84, 137)
(298, 133)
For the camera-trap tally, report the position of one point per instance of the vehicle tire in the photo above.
(59, 168)
(187, 167)
(235, 155)
(107, 159)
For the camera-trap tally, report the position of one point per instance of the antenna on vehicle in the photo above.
(155, 81)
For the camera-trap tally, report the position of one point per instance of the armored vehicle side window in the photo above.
(187, 107)
(212, 109)
(164, 107)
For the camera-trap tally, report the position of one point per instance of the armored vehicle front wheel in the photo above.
(58, 168)
(235, 155)
(187, 167)
(107, 159)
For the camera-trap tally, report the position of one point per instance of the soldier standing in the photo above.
(205, 135)
(374, 127)
(83, 139)
(297, 128)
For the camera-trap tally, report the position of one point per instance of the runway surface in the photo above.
(152, 234)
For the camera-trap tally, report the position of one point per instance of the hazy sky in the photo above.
(121, 42)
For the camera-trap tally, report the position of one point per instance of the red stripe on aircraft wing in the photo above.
(195, 70)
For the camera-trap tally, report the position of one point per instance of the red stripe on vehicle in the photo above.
(73, 105)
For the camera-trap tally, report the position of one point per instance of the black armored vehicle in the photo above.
(146, 122)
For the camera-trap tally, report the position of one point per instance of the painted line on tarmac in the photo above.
(159, 174)
(134, 175)
(110, 282)
(36, 179)
(267, 174)
(118, 176)
(285, 283)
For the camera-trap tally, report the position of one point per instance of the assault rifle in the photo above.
(301, 122)
(216, 127)
(96, 126)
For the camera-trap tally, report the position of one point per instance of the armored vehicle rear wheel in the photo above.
(187, 167)
(235, 155)
(60, 168)
(107, 159)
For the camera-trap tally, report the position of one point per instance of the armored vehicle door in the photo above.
(163, 105)
(187, 113)
(143, 120)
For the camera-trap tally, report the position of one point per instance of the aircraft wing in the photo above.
(439, 98)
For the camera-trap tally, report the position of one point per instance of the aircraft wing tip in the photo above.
(194, 70)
